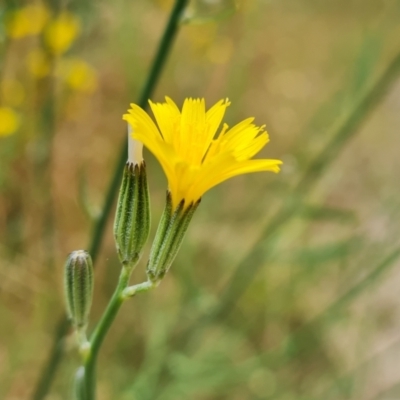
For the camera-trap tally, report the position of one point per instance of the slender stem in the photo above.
(44, 160)
(55, 356)
(131, 291)
(100, 333)
(49, 369)
(3, 56)
(79, 390)
(122, 292)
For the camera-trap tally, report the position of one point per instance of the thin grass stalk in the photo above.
(389, 393)
(44, 161)
(3, 56)
(49, 369)
(370, 361)
(274, 359)
(273, 356)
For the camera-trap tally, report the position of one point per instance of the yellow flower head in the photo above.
(192, 156)
(61, 32)
(78, 75)
(9, 121)
(27, 21)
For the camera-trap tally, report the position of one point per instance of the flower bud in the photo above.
(169, 237)
(132, 218)
(78, 282)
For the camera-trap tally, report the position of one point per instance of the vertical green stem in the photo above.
(100, 333)
(48, 372)
(44, 160)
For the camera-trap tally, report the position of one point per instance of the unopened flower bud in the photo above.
(132, 219)
(169, 237)
(78, 282)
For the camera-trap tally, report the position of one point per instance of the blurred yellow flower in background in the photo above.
(78, 75)
(61, 32)
(193, 160)
(27, 21)
(9, 121)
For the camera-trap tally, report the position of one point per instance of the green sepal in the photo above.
(132, 218)
(78, 283)
(169, 236)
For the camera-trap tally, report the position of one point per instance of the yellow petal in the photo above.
(168, 118)
(231, 169)
(192, 129)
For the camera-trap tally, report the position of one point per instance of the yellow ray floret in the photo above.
(193, 157)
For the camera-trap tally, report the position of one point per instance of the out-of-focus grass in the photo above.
(318, 311)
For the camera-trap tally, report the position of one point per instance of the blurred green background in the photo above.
(286, 286)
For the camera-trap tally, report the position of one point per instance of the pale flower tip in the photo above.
(135, 148)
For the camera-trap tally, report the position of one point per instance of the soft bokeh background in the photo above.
(281, 290)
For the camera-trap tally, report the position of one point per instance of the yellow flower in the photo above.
(193, 159)
(9, 121)
(78, 75)
(27, 21)
(61, 33)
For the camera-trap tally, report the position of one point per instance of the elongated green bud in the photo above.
(78, 282)
(132, 218)
(169, 237)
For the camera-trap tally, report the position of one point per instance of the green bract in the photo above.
(169, 237)
(78, 281)
(132, 219)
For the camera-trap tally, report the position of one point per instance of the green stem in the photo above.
(122, 292)
(78, 388)
(131, 291)
(100, 333)
(48, 372)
